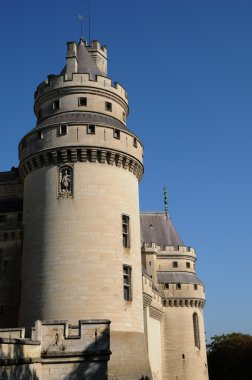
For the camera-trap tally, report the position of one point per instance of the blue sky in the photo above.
(186, 65)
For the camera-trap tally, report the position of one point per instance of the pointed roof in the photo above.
(85, 63)
(157, 228)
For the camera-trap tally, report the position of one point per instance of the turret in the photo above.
(171, 266)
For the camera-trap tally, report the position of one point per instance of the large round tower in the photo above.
(81, 168)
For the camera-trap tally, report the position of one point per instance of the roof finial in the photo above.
(81, 24)
(166, 203)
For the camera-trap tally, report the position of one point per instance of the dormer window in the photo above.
(56, 104)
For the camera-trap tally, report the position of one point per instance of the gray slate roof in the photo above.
(178, 277)
(85, 65)
(156, 228)
(84, 117)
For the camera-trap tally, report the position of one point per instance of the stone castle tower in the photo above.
(82, 277)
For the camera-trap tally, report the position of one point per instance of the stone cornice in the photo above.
(81, 154)
(155, 313)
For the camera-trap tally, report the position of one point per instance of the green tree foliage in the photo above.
(230, 357)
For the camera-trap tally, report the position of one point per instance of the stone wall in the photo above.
(56, 351)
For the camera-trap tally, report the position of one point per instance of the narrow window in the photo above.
(178, 286)
(125, 231)
(108, 106)
(196, 330)
(40, 135)
(39, 115)
(124, 116)
(82, 101)
(90, 129)
(135, 142)
(195, 286)
(116, 133)
(56, 104)
(63, 130)
(127, 289)
(188, 265)
(166, 285)
(174, 264)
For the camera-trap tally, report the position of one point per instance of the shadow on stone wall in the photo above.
(95, 366)
(15, 369)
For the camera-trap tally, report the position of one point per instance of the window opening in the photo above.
(196, 330)
(82, 101)
(125, 231)
(56, 104)
(127, 288)
(116, 133)
(91, 129)
(108, 106)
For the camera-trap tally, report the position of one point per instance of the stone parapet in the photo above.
(101, 82)
(168, 249)
(54, 346)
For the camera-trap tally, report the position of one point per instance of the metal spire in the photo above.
(166, 203)
(81, 24)
(89, 23)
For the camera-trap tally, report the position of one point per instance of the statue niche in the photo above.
(65, 181)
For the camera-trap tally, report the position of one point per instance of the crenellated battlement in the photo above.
(54, 342)
(83, 80)
(168, 249)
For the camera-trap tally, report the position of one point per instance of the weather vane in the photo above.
(166, 203)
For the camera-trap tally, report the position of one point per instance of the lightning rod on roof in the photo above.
(166, 203)
(89, 23)
(81, 24)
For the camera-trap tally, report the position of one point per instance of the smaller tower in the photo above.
(171, 266)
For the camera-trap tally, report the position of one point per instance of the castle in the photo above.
(90, 288)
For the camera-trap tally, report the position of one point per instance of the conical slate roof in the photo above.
(85, 63)
(157, 228)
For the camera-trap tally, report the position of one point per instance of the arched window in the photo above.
(196, 330)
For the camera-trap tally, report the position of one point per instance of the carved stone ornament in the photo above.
(65, 181)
